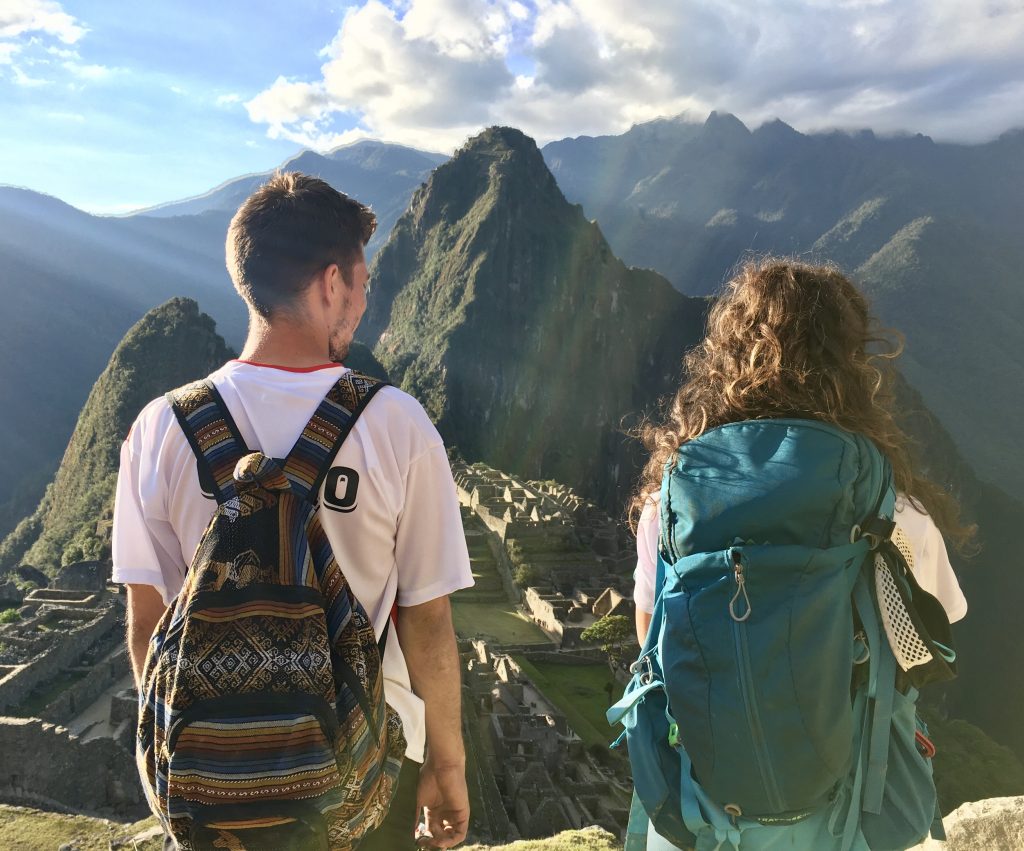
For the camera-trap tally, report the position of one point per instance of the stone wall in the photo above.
(43, 765)
(584, 656)
(66, 650)
(100, 677)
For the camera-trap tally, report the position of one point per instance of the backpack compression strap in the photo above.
(308, 462)
(212, 434)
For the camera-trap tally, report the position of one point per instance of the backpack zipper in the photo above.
(749, 695)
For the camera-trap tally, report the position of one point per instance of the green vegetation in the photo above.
(592, 839)
(170, 345)
(969, 765)
(500, 621)
(527, 574)
(580, 691)
(32, 830)
(9, 615)
(614, 632)
(478, 311)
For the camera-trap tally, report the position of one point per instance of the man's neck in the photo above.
(284, 343)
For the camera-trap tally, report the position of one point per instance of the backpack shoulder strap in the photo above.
(309, 460)
(211, 432)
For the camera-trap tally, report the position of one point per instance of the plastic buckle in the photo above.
(673, 736)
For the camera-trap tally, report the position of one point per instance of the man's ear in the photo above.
(331, 283)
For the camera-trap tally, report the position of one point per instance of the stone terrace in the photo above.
(67, 694)
(533, 772)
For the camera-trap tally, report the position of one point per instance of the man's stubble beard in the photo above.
(342, 334)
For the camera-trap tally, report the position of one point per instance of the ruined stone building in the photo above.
(67, 704)
(527, 755)
(570, 552)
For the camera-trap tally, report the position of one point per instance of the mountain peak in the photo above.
(777, 129)
(499, 139)
(725, 124)
(498, 162)
(500, 306)
(170, 345)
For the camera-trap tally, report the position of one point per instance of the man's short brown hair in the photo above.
(289, 229)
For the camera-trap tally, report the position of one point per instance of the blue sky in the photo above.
(150, 107)
(112, 106)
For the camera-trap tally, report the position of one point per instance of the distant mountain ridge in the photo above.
(363, 161)
(369, 171)
(504, 310)
(930, 229)
(72, 284)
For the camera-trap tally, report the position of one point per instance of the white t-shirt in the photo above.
(930, 562)
(398, 538)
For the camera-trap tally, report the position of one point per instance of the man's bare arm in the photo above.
(145, 608)
(428, 643)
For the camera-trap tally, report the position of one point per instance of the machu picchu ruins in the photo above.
(67, 703)
(546, 565)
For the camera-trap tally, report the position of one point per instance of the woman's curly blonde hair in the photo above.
(789, 339)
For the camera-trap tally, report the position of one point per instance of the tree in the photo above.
(527, 574)
(614, 632)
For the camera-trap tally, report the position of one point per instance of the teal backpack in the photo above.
(773, 704)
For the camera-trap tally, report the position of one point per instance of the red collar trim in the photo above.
(288, 368)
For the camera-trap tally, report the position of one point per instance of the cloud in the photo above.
(27, 80)
(37, 37)
(18, 17)
(228, 99)
(430, 72)
(427, 77)
(93, 73)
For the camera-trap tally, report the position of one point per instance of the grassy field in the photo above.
(579, 691)
(31, 830)
(498, 620)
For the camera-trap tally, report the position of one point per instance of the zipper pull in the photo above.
(741, 588)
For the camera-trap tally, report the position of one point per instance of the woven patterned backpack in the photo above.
(262, 721)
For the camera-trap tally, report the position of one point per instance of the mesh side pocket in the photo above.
(907, 645)
(901, 543)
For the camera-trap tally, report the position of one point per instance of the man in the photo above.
(388, 506)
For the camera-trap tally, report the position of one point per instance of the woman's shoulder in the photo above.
(912, 517)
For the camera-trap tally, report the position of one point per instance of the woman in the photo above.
(791, 340)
